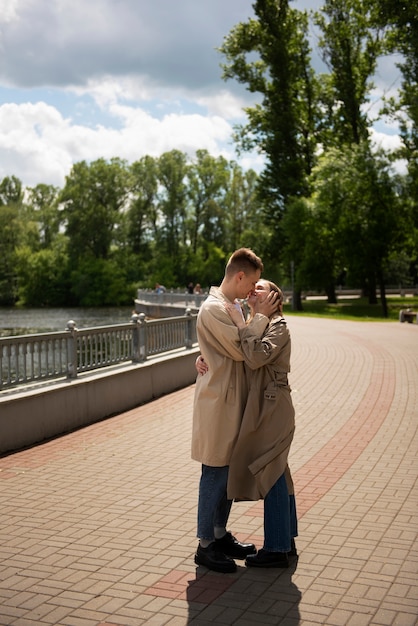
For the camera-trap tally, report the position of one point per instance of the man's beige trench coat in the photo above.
(261, 451)
(220, 394)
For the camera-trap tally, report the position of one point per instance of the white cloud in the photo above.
(25, 147)
(84, 80)
(388, 142)
(8, 11)
(110, 91)
(88, 79)
(43, 145)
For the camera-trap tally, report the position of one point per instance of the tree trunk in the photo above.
(331, 295)
(297, 300)
(372, 289)
(383, 295)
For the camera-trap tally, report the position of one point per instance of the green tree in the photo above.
(142, 214)
(12, 233)
(296, 233)
(244, 212)
(239, 201)
(271, 56)
(351, 44)
(43, 278)
(138, 226)
(210, 263)
(312, 249)
(400, 19)
(11, 191)
(357, 203)
(172, 204)
(208, 179)
(10, 236)
(42, 203)
(30, 272)
(100, 282)
(93, 199)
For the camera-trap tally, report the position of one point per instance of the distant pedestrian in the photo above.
(159, 288)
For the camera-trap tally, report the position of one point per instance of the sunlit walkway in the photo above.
(98, 527)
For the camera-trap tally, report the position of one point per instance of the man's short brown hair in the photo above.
(243, 260)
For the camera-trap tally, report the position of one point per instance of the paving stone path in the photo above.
(97, 527)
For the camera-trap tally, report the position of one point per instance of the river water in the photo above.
(27, 321)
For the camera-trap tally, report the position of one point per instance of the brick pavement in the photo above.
(97, 527)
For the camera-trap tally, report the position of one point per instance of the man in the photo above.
(219, 402)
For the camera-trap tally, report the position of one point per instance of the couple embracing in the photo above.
(243, 417)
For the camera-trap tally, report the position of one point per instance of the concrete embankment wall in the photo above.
(32, 416)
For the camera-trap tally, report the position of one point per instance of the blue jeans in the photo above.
(280, 521)
(213, 507)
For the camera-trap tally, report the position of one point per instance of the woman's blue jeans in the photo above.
(280, 521)
(213, 506)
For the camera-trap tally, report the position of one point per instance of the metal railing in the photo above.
(40, 357)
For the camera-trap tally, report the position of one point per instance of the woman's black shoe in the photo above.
(267, 559)
(212, 558)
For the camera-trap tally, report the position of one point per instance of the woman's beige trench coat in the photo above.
(220, 394)
(261, 451)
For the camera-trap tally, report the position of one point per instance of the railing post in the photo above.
(135, 339)
(72, 349)
(188, 338)
(141, 337)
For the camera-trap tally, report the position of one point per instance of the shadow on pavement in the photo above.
(250, 596)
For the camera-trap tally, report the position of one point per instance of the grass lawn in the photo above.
(355, 309)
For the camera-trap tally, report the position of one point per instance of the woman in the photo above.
(258, 467)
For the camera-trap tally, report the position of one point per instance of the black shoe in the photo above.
(293, 551)
(212, 558)
(230, 546)
(267, 559)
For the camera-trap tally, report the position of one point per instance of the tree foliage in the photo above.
(351, 43)
(114, 227)
(270, 55)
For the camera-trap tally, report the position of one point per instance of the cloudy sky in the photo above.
(84, 79)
